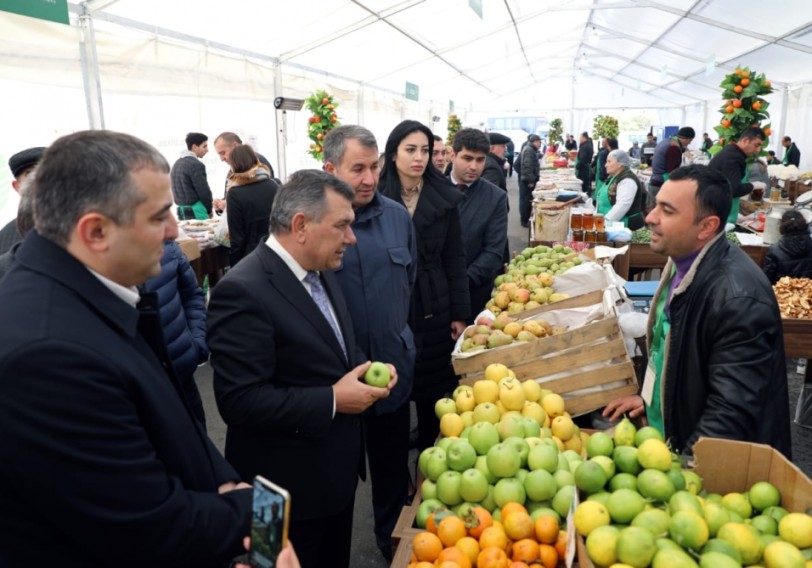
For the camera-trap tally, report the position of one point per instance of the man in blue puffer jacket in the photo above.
(183, 318)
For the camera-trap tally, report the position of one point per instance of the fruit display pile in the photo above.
(527, 282)
(641, 509)
(502, 467)
(504, 330)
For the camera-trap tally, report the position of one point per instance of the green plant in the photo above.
(454, 124)
(743, 106)
(324, 119)
(555, 131)
(605, 126)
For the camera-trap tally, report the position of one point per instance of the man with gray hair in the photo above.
(101, 452)
(287, 370)
(377, 277)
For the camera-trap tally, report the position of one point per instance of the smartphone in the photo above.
(269, 523)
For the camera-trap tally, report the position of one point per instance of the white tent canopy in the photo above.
(160, 69)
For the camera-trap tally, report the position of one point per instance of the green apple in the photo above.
(448, 487)
(510, 426)
(564, 478)
(522, 447)
(377, 375)
(473, 485)
(503, 460)
(426, 508)
(543, 456)
(521, 474)
(563, 500)
(509, 490)
(531, 427)
(444, 406)
(461, 455)
(540, 485)
(482, 465)
(423, 460)
(625, 458)
(436, 464)
(483, 437)
(445, 443)
(428, 490)
(607, 464)
(486, 412)
(488, 502)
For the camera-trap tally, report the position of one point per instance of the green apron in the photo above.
(656, 361)
(602, 203)
(734, 207)
(198, 211)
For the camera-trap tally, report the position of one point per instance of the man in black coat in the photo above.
(495, 161)
(21, 165)
(731, 161)
(583, 162)
(104, 462)
(190, 186)
(528, 177)
(287, 373)
(792, 155)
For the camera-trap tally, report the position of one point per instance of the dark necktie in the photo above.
(320, 297)
(462, 187)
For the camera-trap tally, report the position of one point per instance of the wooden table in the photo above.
(212, 263)
(798, 341)
(642, 257)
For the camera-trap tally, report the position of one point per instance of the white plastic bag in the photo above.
(221, 232)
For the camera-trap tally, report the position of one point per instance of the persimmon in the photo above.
(477, 520)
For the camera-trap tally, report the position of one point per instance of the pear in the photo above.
(501, 321)
(526, 336)
(513, 329)
(499, 339)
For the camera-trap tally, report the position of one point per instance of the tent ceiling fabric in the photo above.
(662, 50)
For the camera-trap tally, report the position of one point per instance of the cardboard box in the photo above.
(588, 365)
(190, 248)
(728, 466)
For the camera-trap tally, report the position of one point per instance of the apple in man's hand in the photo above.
(377, 375)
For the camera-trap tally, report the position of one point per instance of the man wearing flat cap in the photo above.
(495, 161)
(21, 165)
(667, 158)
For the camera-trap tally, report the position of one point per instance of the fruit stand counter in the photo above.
(640, 256)
(212, 263)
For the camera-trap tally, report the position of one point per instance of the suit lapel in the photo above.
(293, 291)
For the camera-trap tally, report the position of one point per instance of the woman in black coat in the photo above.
(792, 255)
(249, 197)
(440, 301)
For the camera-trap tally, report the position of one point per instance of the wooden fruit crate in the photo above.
(592, 355)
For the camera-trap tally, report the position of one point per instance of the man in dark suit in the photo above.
(104, 463)
(286, 367)
(495, 162)
(21, 165)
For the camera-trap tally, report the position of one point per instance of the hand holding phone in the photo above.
(269, 523)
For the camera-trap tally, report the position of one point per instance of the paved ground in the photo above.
(365, 553)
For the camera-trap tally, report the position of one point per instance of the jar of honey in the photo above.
(578, 235)
(575, 219)
(599, 222)
(590, 236)
(588, 221)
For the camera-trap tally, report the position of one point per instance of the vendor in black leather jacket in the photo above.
(716, 346)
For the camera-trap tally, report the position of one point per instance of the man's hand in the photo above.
(286, 559)
(231, 486)
(219, 204)
(632, 405)
(353, 395)
(457, 327)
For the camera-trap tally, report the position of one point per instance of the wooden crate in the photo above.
(565, 363)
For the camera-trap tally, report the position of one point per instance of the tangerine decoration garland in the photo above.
(742, 104)
(454, 124)
(324, 119)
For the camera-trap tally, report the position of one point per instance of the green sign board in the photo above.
(476, 6)
(51, 10)
(412, 91)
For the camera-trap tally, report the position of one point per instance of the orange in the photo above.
(561, 544)
(546, 529)
(745, 82)
(454, 555)
(477, 520)
(470, 547)
(492, 537)
(526, 550)
(745, 73)
(492, 557)
(518, 564)
(450, 530)
(767, 131)
(726, 123)
(737, 103)
(426, 546)
(510, 507)
(737, 89)
(518, 525)
(548, 555)
(729, 109)
(756, 105)
(447, 564)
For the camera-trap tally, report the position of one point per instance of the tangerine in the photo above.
(768, 84)
(737, 103)
(561, 544)
(745, 73)
(756, 105)
(737, 89)
(518, 564)
(492, 557)
(525, 550)
(426, 546)
(448, 564)
(451, 529)
(729, 109)
(726, 123)
(546, 529)
(745, 81)
(511, 507)
(470, 547)
(548, 555)
(493, 537)
(454, 555)
(767, 131)
(518, 525)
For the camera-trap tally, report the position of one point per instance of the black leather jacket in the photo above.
(791, 256)
(724, 374)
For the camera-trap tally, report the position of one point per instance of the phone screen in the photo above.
(269, 522)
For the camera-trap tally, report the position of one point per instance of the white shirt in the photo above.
(300, 274)
(626, 191)
(129, 295)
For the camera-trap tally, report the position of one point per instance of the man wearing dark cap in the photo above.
(528, 177)
(667, 158)
(21, 165)
(495, 161)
